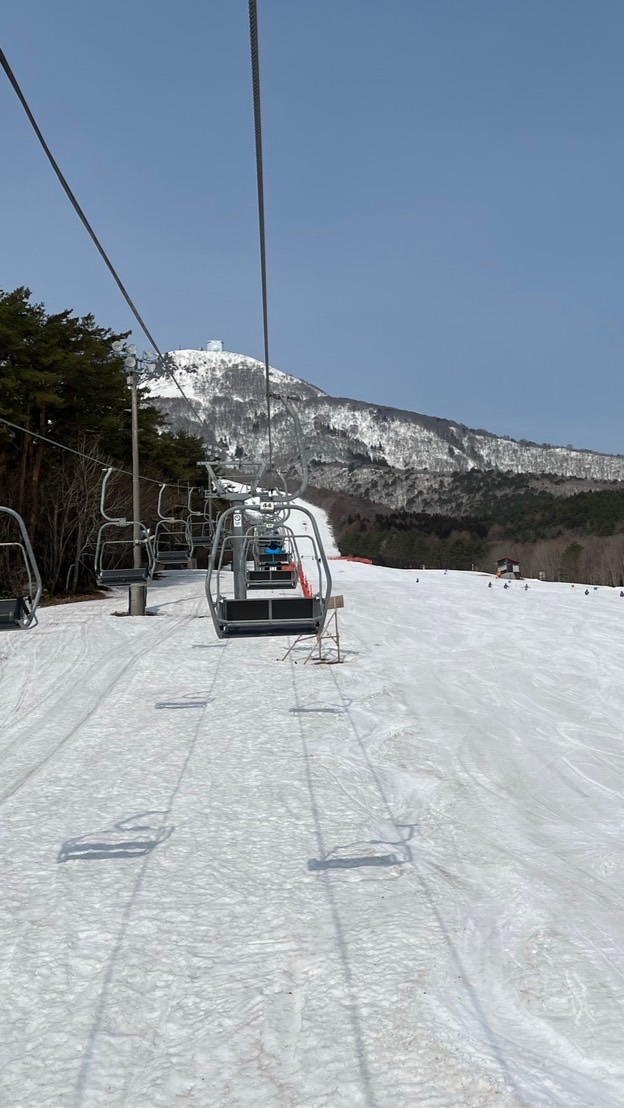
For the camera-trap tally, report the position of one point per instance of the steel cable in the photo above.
(88, 457)
(85, 222)
(255, 82)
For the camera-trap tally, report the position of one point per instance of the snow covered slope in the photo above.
(370, 449)
(230, 880)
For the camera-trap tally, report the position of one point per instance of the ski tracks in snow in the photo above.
(231, 881)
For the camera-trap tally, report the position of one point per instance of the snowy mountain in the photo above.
(235, 881)
(386, 454)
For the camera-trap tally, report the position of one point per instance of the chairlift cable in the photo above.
(85, 222)
(255, 82)
(81, 454)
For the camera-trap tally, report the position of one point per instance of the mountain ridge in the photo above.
(345, 437)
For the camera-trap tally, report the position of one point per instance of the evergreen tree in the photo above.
(60, 378)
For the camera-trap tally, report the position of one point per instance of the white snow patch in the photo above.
(230, 880)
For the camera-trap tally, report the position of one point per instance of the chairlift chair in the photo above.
(18, 613)
(172, 538)
(107, 549)
(273, 549)
(111, 549)
(240, 617)
(201, 524)
(172, 543)
(273, 571)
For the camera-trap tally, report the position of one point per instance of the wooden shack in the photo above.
(508, 568)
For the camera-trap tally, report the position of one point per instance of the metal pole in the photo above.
(138, 593)
(238, 556)
(136, 485)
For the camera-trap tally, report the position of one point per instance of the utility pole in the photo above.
(137, 593)
(132, 365)
(136, 483)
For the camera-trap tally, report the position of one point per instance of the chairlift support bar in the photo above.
(228, 494)
(254, 488)
(20, 612)
(120, 520)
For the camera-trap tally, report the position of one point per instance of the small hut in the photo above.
(508, 568)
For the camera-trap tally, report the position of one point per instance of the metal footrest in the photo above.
(173, 557)
(272, 559)
(297, 615)
(271, 579)
(123, 576)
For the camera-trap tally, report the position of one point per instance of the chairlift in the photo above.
(18, 613)
(274, 560)
(112, 549)
(172, 538)
(239, 616)
(201, 523)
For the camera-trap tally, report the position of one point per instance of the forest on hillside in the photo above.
(578, 537)
(60, 378)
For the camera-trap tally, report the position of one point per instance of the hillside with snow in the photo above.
(385, 454)
(234, 879)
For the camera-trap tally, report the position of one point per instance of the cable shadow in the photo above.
(318, 711)
(488, 1031)
(189, 701)
(318, 864)
(351, 1004)
(336, 710)
(129, 838)
(80, 1090)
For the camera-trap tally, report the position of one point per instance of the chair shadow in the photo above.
(355, 862)
(316, 711)
(335, 710)
(129, 838)
(334, 860)
(188, 701)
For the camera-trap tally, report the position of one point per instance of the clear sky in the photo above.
(444, 187)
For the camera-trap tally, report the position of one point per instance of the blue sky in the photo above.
(444, 186)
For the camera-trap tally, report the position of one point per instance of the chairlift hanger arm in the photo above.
(305, 473)
(161, 515)
(253, 487)
(121, 520)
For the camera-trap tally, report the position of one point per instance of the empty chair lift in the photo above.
(110, 552)
(201, 524)
(19, 612)
(242, 616)
(172, 538)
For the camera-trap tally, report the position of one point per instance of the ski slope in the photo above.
(233, 881)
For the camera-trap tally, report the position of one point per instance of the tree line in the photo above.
(60, 378)
(577, 537)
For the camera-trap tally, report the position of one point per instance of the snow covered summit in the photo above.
(369, 449)
(204, 373)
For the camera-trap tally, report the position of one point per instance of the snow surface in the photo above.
(192, 366)
(229, 880)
